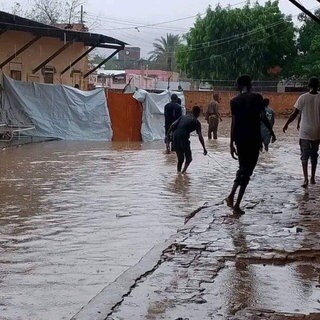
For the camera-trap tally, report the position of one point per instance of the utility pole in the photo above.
(81, 15)
(306, 11)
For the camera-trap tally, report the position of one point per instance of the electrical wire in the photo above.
(231, 51)
(135, 25)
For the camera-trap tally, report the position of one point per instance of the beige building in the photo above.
(32, 51)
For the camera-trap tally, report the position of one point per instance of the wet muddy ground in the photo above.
(263, 265)
(74, 216)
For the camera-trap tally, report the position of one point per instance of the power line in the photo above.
(137, 25)
(233, 37)
(231, 51)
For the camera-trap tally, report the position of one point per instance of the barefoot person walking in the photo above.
(308, 107)
(181, 133)
(247, 111)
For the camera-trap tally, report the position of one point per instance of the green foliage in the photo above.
(256, 40)
(164, 54)
(307, 62)
(307, 31)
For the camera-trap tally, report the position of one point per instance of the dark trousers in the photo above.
(309, 149)
(248, 155)
(213, 123)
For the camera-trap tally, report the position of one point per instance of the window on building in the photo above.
(48, 73)
(76, 78)
(120, 79)
(48, 77)
(15, 74)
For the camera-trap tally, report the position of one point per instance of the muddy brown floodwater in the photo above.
(75, 215)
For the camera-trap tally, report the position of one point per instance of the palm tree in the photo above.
(163, 55)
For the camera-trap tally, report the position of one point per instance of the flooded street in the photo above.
(74, 216)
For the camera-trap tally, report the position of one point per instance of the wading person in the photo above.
(213, 117)
(172, 112)
(308, 108)
(181, 133)
(247, 113)
(265, 133)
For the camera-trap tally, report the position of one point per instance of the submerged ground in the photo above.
(74, 216)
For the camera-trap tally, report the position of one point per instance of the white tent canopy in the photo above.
(153, 112)
(56, 111)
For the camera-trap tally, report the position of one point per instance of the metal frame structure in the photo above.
(91, 40)
(306, 11)
(19, 51)
(77, 60)
(55, 54)
(102, 62)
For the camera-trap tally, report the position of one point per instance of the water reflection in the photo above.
(240, 293)
(74, 216)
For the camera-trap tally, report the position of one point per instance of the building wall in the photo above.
(281, 103)
(157, 74)
(130, 53)
(38, 52)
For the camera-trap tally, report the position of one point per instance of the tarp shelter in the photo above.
(126, 116)
(56, 111)
(153, 112)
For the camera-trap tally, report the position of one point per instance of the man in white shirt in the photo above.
(308, 105)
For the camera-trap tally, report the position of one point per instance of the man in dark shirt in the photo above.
(172, 112)
(181, 134)
(247, 113)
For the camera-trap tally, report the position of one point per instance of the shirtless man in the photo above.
(181, 134)
(247, 111)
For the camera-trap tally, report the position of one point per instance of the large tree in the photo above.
(257, 40)
(51, 11)
(163, 55)
(307, 62)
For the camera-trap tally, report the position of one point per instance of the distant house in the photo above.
(152, 80)
(33, 51)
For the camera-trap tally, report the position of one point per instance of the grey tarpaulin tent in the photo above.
(56, 111)
(153, 112)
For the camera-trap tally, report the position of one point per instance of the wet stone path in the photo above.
(74, 217)
(263, 265)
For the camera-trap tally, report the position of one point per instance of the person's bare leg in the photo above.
(230, 198)
(167, 148)
(313, 172)
(236, 209)
(305, 173)
(186, 165)
(180, 161)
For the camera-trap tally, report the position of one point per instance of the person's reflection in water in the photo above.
(182, 185)
(126, 145)
(308, 274)
(240, 288)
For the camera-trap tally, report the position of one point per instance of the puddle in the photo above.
(291, 288)
(76, 215)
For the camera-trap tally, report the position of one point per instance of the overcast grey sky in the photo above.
(118, 18)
